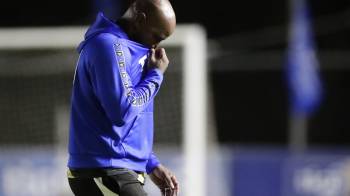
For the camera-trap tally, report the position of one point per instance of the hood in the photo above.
(102, 25)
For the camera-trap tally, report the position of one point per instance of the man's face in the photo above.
(154, 28)
(151, 36)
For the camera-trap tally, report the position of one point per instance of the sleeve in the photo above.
(121, 100)
(152, 163)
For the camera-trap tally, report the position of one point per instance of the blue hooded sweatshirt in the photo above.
(112, 102)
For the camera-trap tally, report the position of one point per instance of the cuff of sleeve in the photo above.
(152, 163)
(155, 74)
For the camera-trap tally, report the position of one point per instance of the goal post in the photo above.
(190, 38)
(193, 40)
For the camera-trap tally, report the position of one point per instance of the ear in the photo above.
(141, 18)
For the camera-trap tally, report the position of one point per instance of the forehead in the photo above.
(161, 24)
(166, 9)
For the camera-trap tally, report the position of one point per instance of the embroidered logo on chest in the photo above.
(142, 61)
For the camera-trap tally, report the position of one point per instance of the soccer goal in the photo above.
(36, 73)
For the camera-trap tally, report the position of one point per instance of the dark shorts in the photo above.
(102, 182)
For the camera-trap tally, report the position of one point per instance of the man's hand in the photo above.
(158, 59)
(165, 181)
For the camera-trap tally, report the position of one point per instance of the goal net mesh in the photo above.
(35, 82)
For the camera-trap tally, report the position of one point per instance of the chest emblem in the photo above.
(142, 61)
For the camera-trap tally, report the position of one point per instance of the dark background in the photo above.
(220, 17)
(250, 99)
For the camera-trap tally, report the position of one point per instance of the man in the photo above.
(118, 74)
